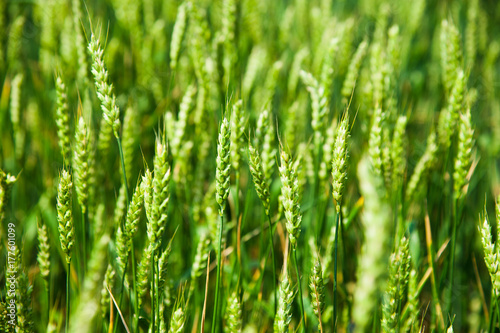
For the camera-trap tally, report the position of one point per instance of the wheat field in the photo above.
(249, 166)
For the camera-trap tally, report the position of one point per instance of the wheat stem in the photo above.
(157, 299)
(431, 258)
(121, 295)
(271, 244)
(153, 291)
(136, 303)
(68, 276)
(48, 302)
(84, 244)
(219, 259)
(335, 263)
(497, 308)
(237, 210)
(315, 200)
(122, 160)
(304, 328)
(452, 256)
(492, 316)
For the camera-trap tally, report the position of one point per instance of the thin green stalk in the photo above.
(49, 296)
(342, 250)
(237, 197)
(261, 246)
(492, 317)
(121, 293)
(84, 232)
(497, 312)
(169, 87)
(398, 310)
(435, 294)
(68, 296)
(452, 256)
(304, 328)
(237, 263)
(396, 221)
(48, 302)
(493, 314)
(243, 215)
(233, 270)
(136, 303)
(237, 209)
(450, 224)
(375, 321)
(217, 281)
(431, 259)
(191, 222)
(261, 276)
(157, 299)
(322, 208)
(90, 232)
(153, 291)
(335, 262)
(123, 171)
(271, 244)
(122, 161)
(400, 202)
(317, 162)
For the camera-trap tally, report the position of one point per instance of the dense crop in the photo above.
(249, 166)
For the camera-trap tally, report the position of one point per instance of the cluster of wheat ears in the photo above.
(249, 166)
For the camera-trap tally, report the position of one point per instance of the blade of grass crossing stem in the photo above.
(118, 310)
(122, 161)
(204, 312)
(111, 317)
(122, 291)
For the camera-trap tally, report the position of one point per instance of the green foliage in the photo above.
(355, 124)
